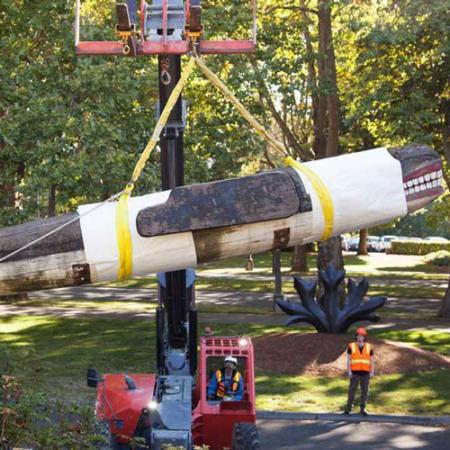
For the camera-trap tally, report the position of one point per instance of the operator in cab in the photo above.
(227, 383)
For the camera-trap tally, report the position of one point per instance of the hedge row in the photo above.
(440, 258)
(417, 248)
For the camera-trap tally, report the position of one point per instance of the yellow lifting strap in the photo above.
(317, 184)
(123, 233)
(322, 192)
(215, 80)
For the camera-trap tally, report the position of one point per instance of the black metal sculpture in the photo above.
(325, 314)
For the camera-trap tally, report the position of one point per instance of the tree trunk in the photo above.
(446, 145)
(329, 60)
(319, 102)
(330, 251)
(362, 246)
(445, 306)
(51, 209)
(327, 123)
(299, 259)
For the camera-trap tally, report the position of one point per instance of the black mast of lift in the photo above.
(176, 290)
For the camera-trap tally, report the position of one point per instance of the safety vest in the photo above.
(360, 360)
(221, 383)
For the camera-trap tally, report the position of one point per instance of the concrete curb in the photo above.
(386, 418)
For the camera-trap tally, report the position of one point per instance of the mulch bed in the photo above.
(325, 354)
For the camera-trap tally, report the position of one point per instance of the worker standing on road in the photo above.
(360, 366)
(227, 383)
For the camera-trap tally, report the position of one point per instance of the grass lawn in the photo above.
(238, 284)
(54, 353)
(230, 275)
(421, 393)
(133, 306)
(375, 264)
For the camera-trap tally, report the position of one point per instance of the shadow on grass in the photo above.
(68, 346)
(64, 348)
(420, 393)
(436, 341)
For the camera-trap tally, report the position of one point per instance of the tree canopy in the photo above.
(71, 129)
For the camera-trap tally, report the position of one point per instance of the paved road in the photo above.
(421, 307)
(342, 435)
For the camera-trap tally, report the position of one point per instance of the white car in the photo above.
(345, 242)
(385, 242)
(373, 244)
(353, 243)
(436, 239)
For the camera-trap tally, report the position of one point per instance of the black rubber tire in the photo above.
(245, 437)
(114, 445)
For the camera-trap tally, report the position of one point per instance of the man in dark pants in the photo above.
(360, 366)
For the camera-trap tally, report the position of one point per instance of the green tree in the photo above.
(395, 78)
(71, 128)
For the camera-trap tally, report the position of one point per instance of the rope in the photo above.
(123, 233)
(24, 247)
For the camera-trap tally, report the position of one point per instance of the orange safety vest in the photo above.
(221, 383)
(360, 360)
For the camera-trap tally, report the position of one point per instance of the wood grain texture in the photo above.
(66, 240)
(45, 272)
(276, 194)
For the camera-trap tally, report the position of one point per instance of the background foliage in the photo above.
(71, 129)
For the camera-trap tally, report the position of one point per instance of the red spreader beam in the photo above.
(115, 48)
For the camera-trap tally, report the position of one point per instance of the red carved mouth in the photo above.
(424, 182)
(433, 167)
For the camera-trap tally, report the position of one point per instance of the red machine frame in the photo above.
(165, 46)
(122, 407)
(209, 417)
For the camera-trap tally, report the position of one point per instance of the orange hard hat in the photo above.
(361, 331)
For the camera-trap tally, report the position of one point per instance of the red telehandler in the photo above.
(171, 407)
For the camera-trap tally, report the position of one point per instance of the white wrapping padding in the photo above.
(150, 255)
(366, 189)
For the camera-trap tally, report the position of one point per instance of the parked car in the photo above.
(344, 242)
(385, 243)
(436, 239)
(353, 243)
(373, 243)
